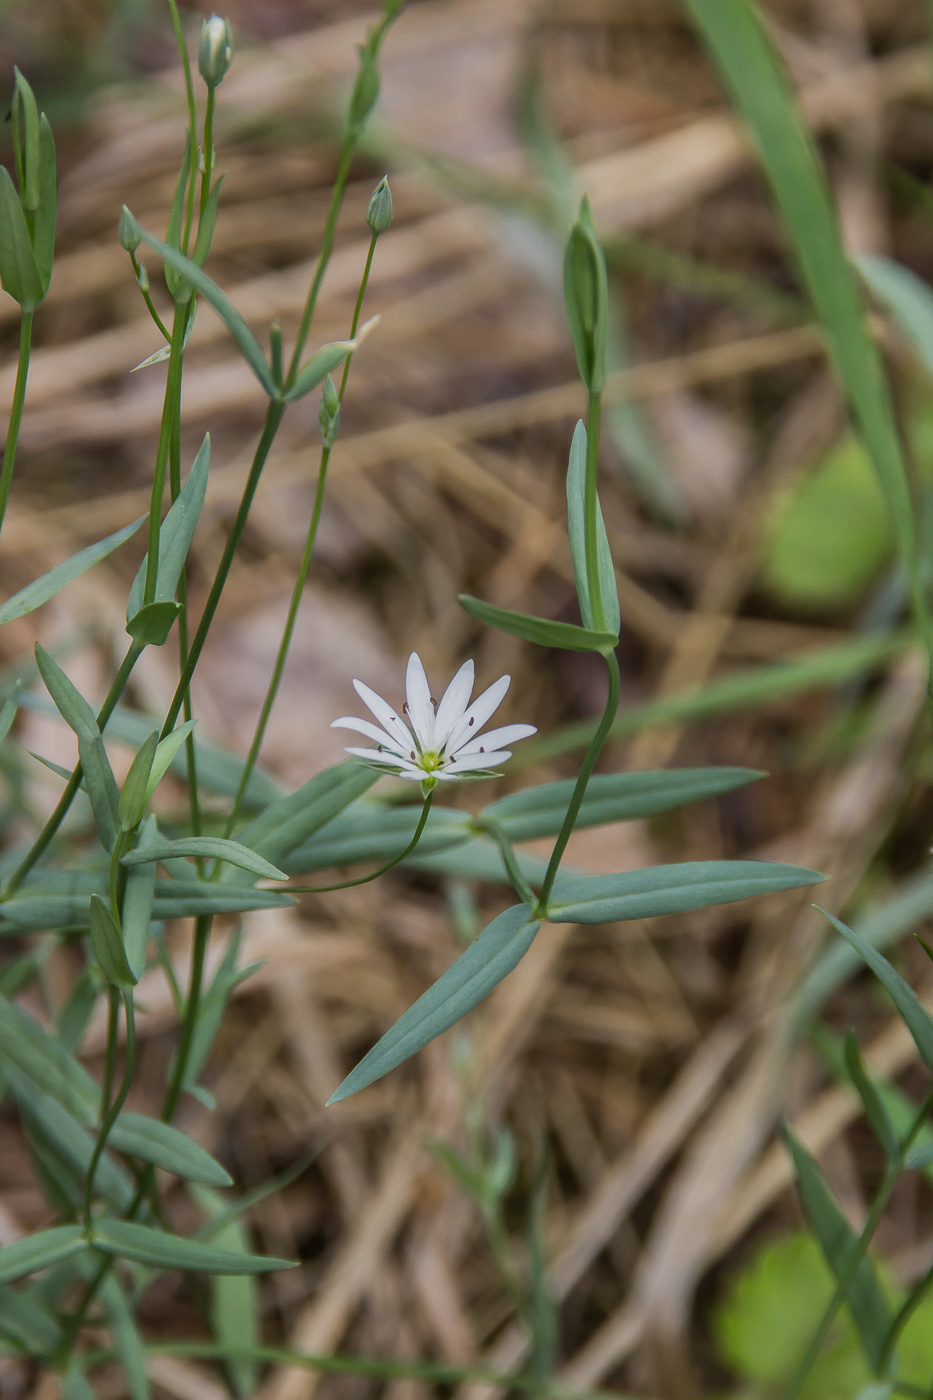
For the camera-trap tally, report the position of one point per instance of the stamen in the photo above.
(434, 703)
(472, 722)
(413, 755)
(405, 709)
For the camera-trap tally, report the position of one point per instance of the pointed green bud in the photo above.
(379, 213)
(215, 50)
(328, 415)
(142, 277)
(130, 236)
(330, 398)
(586, 292)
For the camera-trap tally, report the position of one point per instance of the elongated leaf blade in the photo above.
(126, 1240)
(19, 272)
(40, 1251)
(564, 635)
(69, 701)
(176, 534)
(101, 787)
(671, 889)
(46, 587)
(165, 1146)
(127, 1342)
(137, 903)
(46, 1118)
(319, 367)
(907, 297)
(288, 822)
(235, 1307)
(43, 243)
(872, 1100)
(610, 797)
(865, 1298)
(174, 899)
(27, 1324)
(208, 847)
(372, 831)
(909, 1006)
(760, 89)
(499, 948)
(47, 1063)
(107, 942)
(249, 346)
(576, 528)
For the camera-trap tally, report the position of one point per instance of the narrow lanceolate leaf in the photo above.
(165, 755)
(27, 1324)
(133, 798)
(209, 848)
(45, 1118)
(46, 587)
(865, 1297)
(8, 711)
(127, 1342)
(610, 797)
(323, 363)
(235, 1304)
(909, 1006)
(576, 529)
(40, 1251)
(872, 1100)
(125, 1240)
(544, 633)
(101, 787)
(44, 1061)
(137, 903)
(176, 535)
(289, 821)
(373, 831)
(19, 272)
(107, 943)
(222, 304)
(761, 91)
(499, 948)
(907, 298)
(164, 1146)
(174, 899)
(69, 701)
(671, 889)
(43, 242)
(150, 627)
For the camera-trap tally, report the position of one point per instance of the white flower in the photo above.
(438, 741)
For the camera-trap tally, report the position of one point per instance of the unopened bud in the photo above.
(215, 50)
(142, 277)
(328, 415)
(130, 237)
(379, 213)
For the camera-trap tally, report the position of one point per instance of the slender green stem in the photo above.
(202, 931)
(591, 511)
(150, 305)
(110, 1057)
(76, 1321)
(192, 118)
(207, 151)
(365, 879)
(509, 859)
(579, 792)
(166, 428)
(301, 579)
(327, 243)
(46, 835)
(917, 1293)
(16, 411)
(113, 1111)
(270, 428)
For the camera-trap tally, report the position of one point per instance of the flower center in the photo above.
(431, 761)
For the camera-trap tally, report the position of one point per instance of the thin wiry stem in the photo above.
(16, 411)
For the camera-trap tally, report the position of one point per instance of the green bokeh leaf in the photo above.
(671, 889)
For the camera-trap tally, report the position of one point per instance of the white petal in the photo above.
(453, 704)
(372, 731)
(391, 722)
(478, 761)
(496, 738)
(415, 775)
(420, 709)
(479, 712)
(390, 759)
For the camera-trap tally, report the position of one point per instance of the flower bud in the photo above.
(379, 213)
(130, 238)
(328, 415)
(215, 50)
(586, 295)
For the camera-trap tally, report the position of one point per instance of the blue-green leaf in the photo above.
(176, 534)
(40, 1251)
(177, 262)
(872, 1101)
(46, 1062)
(43, 241)
(288, 822)
(499, 948)
(671, 889)
(137, 902)
(906, 296)
(150, 627)
(540, 630)
(46, 587)
(320, 366)
(19, 272)
(209, 848)
(372, 831)
(909, 1006)
(576, 528)
(126, 1240)
(865, 1297)
(610, 797)
(107, 943)
(126, 1339)
(165, 1146)
(235, 1304)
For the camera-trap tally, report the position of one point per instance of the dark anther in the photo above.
(412, 754)
(472, 722)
